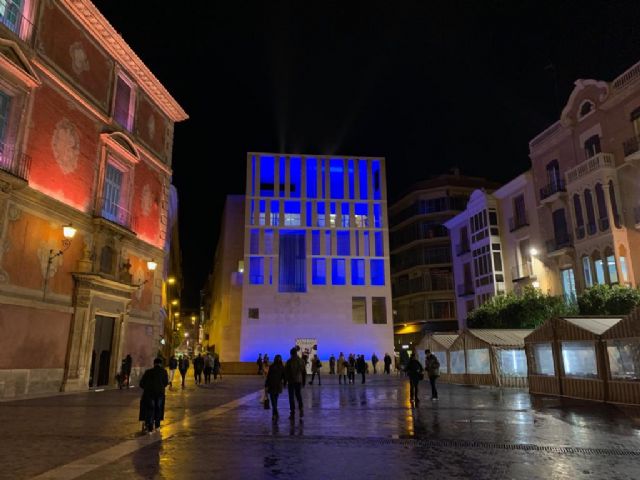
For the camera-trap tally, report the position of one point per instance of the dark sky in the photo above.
(428, 85)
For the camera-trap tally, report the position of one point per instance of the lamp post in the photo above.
(68, 232)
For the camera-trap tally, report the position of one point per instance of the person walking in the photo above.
(432, 366)
(351, 368)
(198, 367)
(273, 385)
(208, 366)
(361, 366)
(217, 368)
(126, 368)
(387, 363)
(183, 366)
(332, 365)
(316, 365)
(414, 372)
(342, 369)
(374, 362)
(294, 372)
(265, 364)
(153, 382)
(173, 365)
(260, 364)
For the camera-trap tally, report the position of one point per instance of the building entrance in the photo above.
(101, 355)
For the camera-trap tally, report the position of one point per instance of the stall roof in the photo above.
(446, 340)
(501, 337)
(596, 326)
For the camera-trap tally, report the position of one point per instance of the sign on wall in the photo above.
(308, 347)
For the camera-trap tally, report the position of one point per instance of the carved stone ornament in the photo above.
(65, 144)
(146, 200)
(79, 58)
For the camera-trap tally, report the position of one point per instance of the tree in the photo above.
(526, 310)
(608, 300)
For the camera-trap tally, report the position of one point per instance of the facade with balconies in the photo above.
(86, 134)
(591, 156)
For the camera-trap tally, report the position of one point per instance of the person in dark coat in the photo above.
(260, 364)
(294, 372)
(173, 365)
(387, 363)
(153, 383)
(332, 365)
(361, 366)
(316, 365)
(274, 383)
(374, 362)
(126, 368)
(183, 366)
(217, 370)
(414, 372)
(198, 367)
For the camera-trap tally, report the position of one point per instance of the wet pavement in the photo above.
(348, 431)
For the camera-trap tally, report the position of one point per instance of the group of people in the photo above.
(207, 364)
(415, 372)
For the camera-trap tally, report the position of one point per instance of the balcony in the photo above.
(597, 162)
(521, 272)
(465, 289)
(517, 222)
(462, 248)
(14, 162)
(558, 246)
(549, 190)
(115, 213)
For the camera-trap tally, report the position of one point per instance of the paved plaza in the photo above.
(349, 431)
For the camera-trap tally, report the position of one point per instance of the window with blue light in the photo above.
(312, 178)
(281, 175)
(270, 271)
(343, 243)
(275, 213)
(252, 213)
(377, 272)
(323, 179)
(377, 179)
(351, 169)
(256, 270)
(357, 271)
(319, 273)
(292, 214)
(254, 241)
(366, 249)
(357, 242)
(327, 243)
(344, 218)
(338, 271)
(268, 242)
(253, 176)
(295, 177)
(263, 209)
(362, 173)
(320, 217)
(361, 215)
(309, 214)
(378, 244)
(336, 180)
(267, 179)
(377, 215)
(315, 242)
(292, 256)
(332, 214)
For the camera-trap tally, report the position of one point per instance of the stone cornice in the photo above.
(91, 19)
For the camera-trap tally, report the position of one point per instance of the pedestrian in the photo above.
(374, 362)
(387, 363)
(173, 364)
(153, 383)
(265, 364)
(332, 365)
(217, 367)
(361, 366)
(260, 364)
(316, 365)
(414, 372)
(208, 366)
(126, 368)
(351, 369)
(198, 367)
(183, 366)
(432, 366)
(305, 362)
(273, 385)
(294, 372)
(342, 369)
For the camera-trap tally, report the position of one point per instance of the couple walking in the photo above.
(415, 373)
(292, 374)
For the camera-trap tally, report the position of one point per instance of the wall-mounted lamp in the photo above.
(68, 232)
(151, 266)
(533, 251)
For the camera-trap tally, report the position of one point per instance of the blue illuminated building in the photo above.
(316, 258)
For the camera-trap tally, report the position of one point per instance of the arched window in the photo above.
(591, 215)
(598, 266)
(602, 208)
(586, 108)
(592, 146)
(611, 265)
(553, 175)
(614, 204)
(588, 274)
(577, 208)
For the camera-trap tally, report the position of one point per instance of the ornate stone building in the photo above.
(86, 134)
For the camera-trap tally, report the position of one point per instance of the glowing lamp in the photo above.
(533, 251)
(68, 231)
(151, 265)
(174, 302)
(186, 334)
(535, 284)
(171, 280)
(177, 314)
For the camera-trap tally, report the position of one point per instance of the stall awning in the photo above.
(409, 329)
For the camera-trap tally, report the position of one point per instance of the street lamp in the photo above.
(151, 266)
(68, 232)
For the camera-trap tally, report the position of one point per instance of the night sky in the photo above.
(428, 85)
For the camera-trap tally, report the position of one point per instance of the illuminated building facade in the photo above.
(86, 134)
(315, 257)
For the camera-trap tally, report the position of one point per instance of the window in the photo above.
(602, 208)
(267, 176)
(295, 177)
(442, 359)
(362, 180)
(11, 15)
(5, 109)
(320, 217)
(124, 103)
(377, 272)
(336, 174)
(343, 243)
(256, 270)
(359, 310)
(586, 108)
(586, 267)
(378, 244)
(624, 359)
(345, 215)
(568, 285)
(623, 269)
(379, 310)
(275, 213)
(254, 242)
(327, 243)
(332, 214)
(338, 274)
(599, 267)
(478, 361)
(292, 214)
(254, 314)
(312, 178)
(357, 271)
(375, 172)
(519, 211)
(268, 242)
(513, 363)
(377, 215)
(111, 207)
(319, 271)
(613, 272)
(579, 359)
(577, 208)
(457, 361)
(553, 176)
(592, 146)
(315, 242)
(361, 215)
(292, 257)
(543, 359)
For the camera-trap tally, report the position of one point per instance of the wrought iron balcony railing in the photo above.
(558, 243)
(14, 161)
(551, 188)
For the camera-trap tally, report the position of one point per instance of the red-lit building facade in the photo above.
(86, 134)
